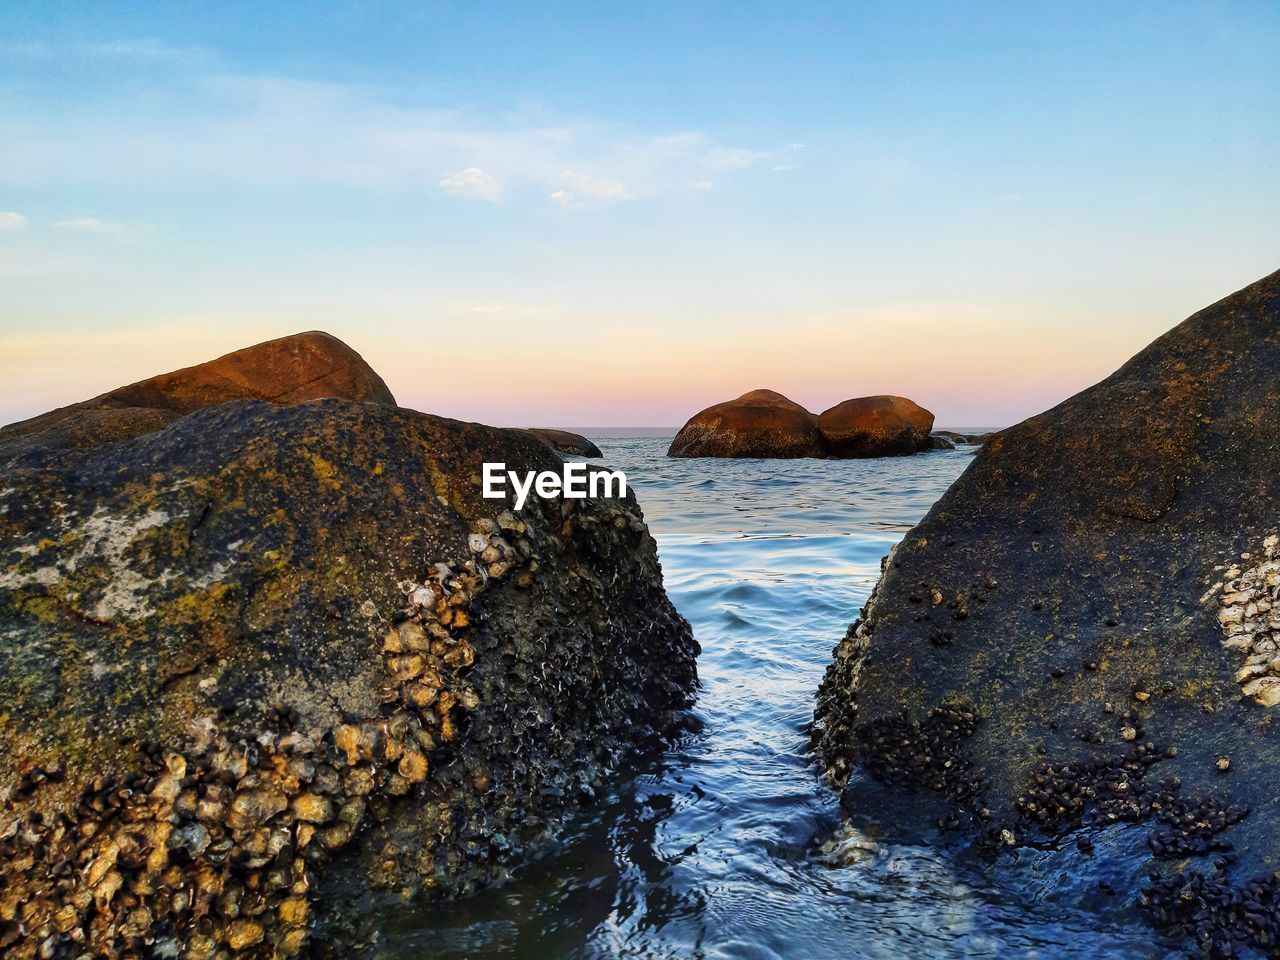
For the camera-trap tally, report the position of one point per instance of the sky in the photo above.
(589, 215)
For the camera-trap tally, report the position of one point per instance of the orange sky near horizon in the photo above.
(972, 365)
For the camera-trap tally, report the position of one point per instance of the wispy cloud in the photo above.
(11, 221)
(472, 183)
(136, 50)
(581, 191)
(206, 125)
(94, 225)
(732, 158)
(505, 309)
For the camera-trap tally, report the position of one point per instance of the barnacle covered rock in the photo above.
(247, 654)
(1098, 591)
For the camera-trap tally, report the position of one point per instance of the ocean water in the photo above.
(729, 844)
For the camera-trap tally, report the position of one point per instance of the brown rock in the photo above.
(305, 366)
(762, 423)
(876, 427)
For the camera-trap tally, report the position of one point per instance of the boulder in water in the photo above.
(255, 657)
(760, 423)
(876, 427)
(1081, 639)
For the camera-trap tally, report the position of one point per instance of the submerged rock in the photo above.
(565, 441)
(1083, 632)
(876, 427)
(267, 655)
(760, 423)
(971, 439)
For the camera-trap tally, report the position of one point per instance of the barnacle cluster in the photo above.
(210, 848)
(1114, 789)
(1223, 919)
(928, 753)
(1249, 613)
(214, 846)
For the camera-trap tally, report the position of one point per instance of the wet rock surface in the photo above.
(764, 423)
(266, 655)
(565, 441)
(971, 439)
(1078, 641)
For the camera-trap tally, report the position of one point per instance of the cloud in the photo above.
(207, 126)
(584, 191)
(732, 158)
(505, 309)
(137, 51)
(472, 183)
(93, 225)
(12, 221)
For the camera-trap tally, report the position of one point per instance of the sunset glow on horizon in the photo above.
(517, 219)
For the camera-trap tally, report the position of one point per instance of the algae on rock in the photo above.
(264, 648)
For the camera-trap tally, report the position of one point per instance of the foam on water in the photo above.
(715, 849)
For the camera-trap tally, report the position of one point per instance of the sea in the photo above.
(729, 844)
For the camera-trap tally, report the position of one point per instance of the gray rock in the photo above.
(1088, 613)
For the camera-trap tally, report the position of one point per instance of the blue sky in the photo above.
(574, 214)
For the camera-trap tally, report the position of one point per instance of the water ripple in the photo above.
(715, 848)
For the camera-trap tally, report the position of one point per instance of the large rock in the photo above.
(764, 423)
(876, 427)
(266, 653)
(565, 441)
(1081, 637)
(306, 366)
(760, 423)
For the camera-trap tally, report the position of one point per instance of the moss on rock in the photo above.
(266, 648)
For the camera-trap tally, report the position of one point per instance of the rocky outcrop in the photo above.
(937, 442)
(564, 441)
(764, 423)
(1081, 640)
(265, 655)
(306, 366)
(760, 423)
(876, 427)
